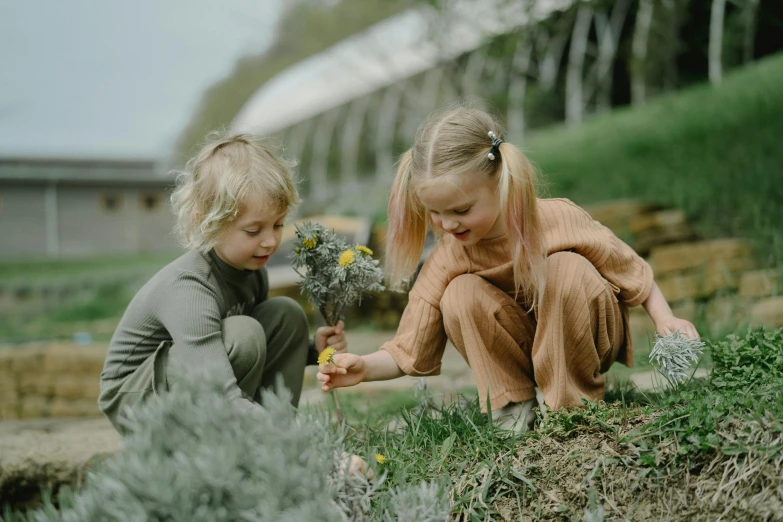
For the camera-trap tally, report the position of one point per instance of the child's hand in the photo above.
(333, 336)
(670, 324)
(348, 369)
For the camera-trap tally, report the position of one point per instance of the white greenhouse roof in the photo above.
(389, 51)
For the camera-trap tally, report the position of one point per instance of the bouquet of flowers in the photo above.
(673, 354)
(336, 275)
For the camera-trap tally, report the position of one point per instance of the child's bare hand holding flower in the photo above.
(345, 369)
(331, 336)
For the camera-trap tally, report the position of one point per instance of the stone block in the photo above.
(9, 410)
(657, 220)
(648, 239)
(688, 310)
(617, 214)
(715, 278)
(7, 382)
(759, 283)
(33, 407)
(75, 360)
(77, 387)
(724, 312)
(7, 360)
(62, 407)
(40, 384)
(26, 361)
(767, 312)
(682, 257)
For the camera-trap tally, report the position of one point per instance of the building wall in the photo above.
(90, 221)
(22, 222)
(95, 220)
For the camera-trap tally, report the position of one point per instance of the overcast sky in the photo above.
(116, 78)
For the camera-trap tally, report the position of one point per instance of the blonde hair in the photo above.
(456, 140)
(228, 174)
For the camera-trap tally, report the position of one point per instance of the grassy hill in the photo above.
(716, 152)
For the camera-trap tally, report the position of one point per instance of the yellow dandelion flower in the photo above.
(380, 459)
(362, 248)
(310, 242)
(327, 355)
(347, 257)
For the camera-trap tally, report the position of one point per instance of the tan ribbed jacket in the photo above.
(420, 340)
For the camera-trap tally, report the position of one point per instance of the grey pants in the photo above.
(273, 339)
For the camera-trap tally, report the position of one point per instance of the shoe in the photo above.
(516, 416)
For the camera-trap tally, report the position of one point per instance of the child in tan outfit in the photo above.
(532, 292)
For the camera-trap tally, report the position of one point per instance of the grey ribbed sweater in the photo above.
(185, 302)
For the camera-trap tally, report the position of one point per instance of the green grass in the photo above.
(715, 152)
(688, 453)
(43, 270)
(56, 299)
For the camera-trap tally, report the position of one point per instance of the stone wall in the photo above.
(51, 381)
(715, 283)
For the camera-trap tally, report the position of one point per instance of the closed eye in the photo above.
(252, 233)
(463, 211)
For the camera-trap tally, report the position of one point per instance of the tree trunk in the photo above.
(673, 10)
(750, 14)
(574, 107)
(641, 35)
(608, 39)
(516, 88)
(551, 49)
(717, 14)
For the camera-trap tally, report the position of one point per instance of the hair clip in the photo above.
(495, 151)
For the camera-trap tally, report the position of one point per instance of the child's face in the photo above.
(465, 205)
(252, 237)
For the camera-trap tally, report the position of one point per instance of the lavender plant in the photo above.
(336, 274)
(673, 354)
(194, 455)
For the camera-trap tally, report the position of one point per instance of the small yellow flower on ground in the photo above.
(380, 459)
(310, 243)
(362, 248)
(327, 355)
(347, 257)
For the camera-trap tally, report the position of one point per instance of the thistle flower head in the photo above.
(380, 459)
(364, 250)
(335, 275)
(310, 242)
(673, 354)
(327, 356)
(347, 257)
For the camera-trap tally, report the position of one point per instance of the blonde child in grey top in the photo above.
(210, 307)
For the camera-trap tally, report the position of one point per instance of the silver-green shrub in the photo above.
(192, 455)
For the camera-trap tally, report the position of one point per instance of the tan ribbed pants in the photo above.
(575, 337)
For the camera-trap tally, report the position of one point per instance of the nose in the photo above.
(449, 225)
(268, 241)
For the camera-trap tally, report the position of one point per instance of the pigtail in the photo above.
(517, 190)
(407, 226)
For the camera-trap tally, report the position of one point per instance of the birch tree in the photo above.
(641, 35)
(717, 16)
(574, 103)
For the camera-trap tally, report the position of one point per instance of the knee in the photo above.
(292, 316)
(569, 274)
(244, 337)
(460, 297)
